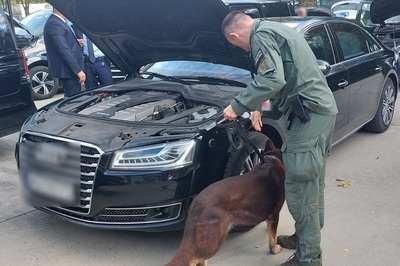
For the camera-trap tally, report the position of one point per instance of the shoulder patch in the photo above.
(258, 57)
(261, 62)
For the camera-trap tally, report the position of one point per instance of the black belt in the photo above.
(98, 59)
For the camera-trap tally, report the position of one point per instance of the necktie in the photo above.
(91, 56)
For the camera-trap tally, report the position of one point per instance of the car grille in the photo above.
(89, 159)
(127, 216)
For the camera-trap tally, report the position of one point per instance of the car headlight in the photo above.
(172, 154)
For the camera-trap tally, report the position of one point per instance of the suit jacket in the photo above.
(64, 53)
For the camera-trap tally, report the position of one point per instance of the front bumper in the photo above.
(139, 200)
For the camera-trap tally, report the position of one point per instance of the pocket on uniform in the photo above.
(303, 159)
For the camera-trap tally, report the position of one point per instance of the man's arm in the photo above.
(270, 78)
(59, 40)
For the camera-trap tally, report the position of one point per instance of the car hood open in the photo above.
(381, 10)
(133, 33)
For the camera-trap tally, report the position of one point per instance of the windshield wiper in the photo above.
(218, 81)
(165, 78)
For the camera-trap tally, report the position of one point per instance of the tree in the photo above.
(3, 4)
(25, 5)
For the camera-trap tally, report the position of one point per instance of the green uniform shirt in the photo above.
(286, 66)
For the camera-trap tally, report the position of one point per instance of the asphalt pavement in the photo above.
(362, 222)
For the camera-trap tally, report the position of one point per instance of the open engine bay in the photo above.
(141, 106)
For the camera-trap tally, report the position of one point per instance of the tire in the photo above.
(384, 115)
(239, 161)
(43, 87)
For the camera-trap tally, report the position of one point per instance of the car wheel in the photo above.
(241, 162)
(43, 87)
(384, 115)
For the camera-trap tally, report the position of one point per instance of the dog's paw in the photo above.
(277, 249)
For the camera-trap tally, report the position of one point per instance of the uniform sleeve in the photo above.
(270, 78)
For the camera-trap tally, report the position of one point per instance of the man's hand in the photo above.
(256, 120)
(229, 114)
(81, 42)
(81, 76)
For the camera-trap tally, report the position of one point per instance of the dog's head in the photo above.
(271, 150)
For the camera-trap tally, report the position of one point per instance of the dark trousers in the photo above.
(97, 73)
(70, 86)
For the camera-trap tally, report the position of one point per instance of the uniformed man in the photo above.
(287, 73)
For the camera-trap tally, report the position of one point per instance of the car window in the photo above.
(365, 15)
(277, 10)
(251, 10)
(351, 40)
(320, 44)
(345, 6)
(393, 20)
(6, 41)
(35, 22)
(196, 69)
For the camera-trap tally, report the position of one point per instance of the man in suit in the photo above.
(64, 54)
(97, 68)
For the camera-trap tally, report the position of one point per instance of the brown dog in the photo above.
(238, 201)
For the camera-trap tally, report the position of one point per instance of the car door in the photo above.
(361, 57)
(9, 65)
(321, 44)
(16, 102)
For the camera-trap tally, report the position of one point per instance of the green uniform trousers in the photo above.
(304, 156)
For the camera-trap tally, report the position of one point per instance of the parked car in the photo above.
(262, 8)
(387, 15)
(43, 85)
(16, 103)
(357, 10)
(133, 155)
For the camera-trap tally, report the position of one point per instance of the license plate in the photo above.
(50, 191)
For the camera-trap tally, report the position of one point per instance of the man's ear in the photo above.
(233, 34)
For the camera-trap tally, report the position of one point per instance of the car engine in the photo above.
(143, 106)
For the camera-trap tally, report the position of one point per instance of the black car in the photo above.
(387, 15)
(262, 8)
(133, 155)
(16, 102)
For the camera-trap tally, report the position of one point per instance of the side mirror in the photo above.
(24, 38)
(324, 66)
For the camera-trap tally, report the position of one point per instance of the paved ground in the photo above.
(362, 220)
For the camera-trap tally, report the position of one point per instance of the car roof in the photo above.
(350, 2)
(299, 23)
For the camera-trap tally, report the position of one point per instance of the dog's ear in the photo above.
(269, 146)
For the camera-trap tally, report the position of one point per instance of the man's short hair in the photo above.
(231, 20)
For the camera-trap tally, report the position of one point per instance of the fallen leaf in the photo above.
(259, 246)
(345, 250)
(345, 185)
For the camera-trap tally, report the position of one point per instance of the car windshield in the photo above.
(35, 22)
(199, 69)
(348, 10)
(347, 6)
(350, 14)
(393, 20)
